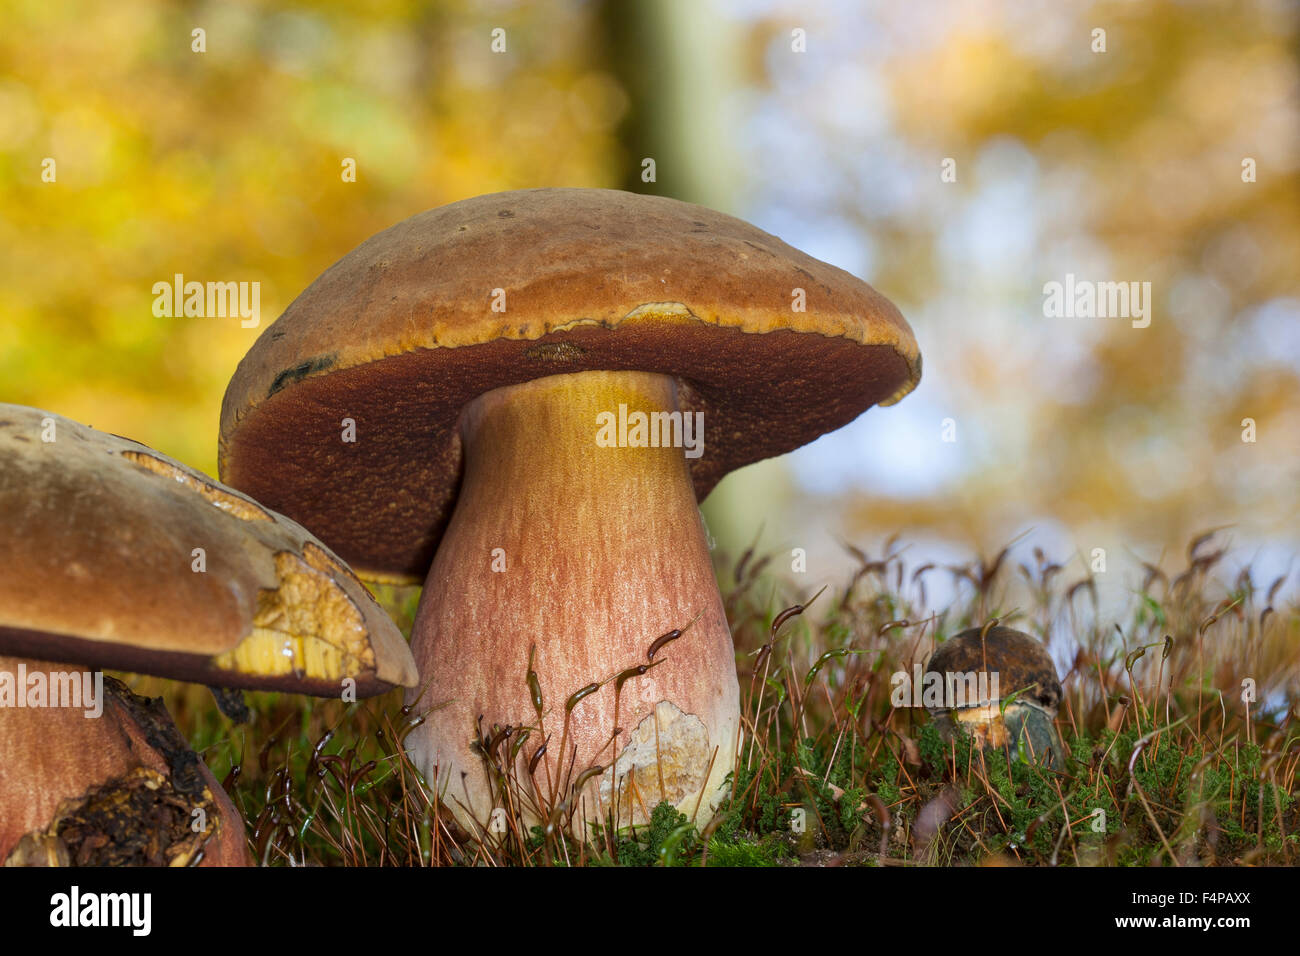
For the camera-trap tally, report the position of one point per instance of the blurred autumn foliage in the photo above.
(227, 166)
(1115, 142)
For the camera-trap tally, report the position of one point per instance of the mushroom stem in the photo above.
(117, 774)
(590, 554)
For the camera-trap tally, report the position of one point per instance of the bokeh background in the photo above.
(1122, 165)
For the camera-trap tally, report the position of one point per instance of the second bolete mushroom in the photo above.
(541, 385)
(113, 555)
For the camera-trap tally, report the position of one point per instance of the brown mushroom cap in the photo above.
(97, 567)
(1021, 662)
(400, 335)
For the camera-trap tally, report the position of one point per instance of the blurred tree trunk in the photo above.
(676, 60)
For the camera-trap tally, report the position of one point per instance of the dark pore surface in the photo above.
(383, 501)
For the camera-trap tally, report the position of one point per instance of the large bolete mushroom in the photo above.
(115, 556)
(540, 385)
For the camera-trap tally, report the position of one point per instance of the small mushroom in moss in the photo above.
(1000, 688)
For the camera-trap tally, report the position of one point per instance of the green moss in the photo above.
(828, 744)
(669, 840)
